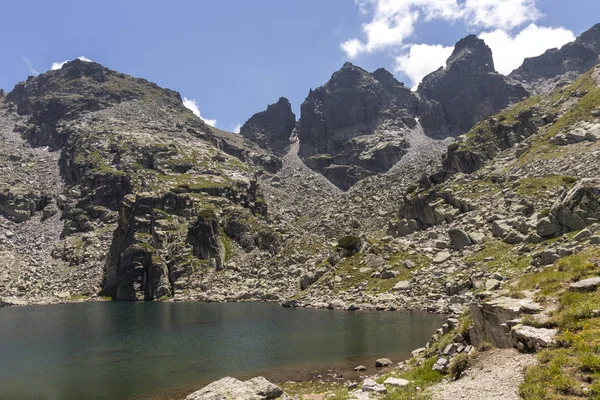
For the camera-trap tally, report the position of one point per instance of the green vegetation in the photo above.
(498, 256)
(571, 369)
(476, 189)
(349, 242)
(539, 187)
(459, 364)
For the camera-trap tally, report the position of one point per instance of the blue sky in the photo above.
(236, 56)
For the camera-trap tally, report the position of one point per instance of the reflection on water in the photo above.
(152, 350)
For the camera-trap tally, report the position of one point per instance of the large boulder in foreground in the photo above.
(469, 89)
(232, 389)
(271, 129)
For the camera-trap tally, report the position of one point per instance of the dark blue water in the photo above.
(167, 350)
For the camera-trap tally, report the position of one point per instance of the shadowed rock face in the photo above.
(271, 129)
(469, 89)
(558, 66)
(355, 125)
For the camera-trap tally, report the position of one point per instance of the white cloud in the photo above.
(193, 106)
(32, 70)
(505, 14)
(509, 51)
(352, 47)
(394, 21)
(236, 128)
(59, 64)
(422, 59)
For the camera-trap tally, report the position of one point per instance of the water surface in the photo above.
(167, 350)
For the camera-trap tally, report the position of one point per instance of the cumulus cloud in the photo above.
(237, 128)
(32, 70)
(193, 106)
(509, 51)
(422, 59)
(507, 26)
(394, 21)
(59, 64)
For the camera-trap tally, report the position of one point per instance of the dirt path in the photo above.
(495, 374)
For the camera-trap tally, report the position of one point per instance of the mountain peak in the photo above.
(271, 129)
(473, 52)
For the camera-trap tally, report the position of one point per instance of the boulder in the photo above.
(402, 286)
(230, 388)
(396, 382)
(383, 362)
(532, 338)
(585, 285)
(369, 385)
(441, 257)
(459, 238)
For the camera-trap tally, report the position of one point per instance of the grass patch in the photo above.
(571, 369)
(497, 256)
(540, 186)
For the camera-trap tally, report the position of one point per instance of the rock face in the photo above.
(578, 209)
(469, 89)
(271, 129)
(556, 67)
(355, 125)
(490, 319)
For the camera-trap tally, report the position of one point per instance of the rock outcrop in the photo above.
(468, 88)
(356, 124)
(579, 208)
(271, 129)
(557, 67)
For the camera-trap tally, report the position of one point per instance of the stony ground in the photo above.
(495, 374)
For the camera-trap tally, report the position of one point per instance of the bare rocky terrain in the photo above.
(381, 198)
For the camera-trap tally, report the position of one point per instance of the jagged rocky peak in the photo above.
(355, 125)
(469, 89)
(271, 129)
(557, 67)
(472, 55)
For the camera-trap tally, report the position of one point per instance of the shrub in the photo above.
(349, 242)
(459, 364)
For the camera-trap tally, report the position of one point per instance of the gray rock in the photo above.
(402, 286)
(396, 382)
(459, 239)
(546, 227)
(383, 362)
(369, 385)
(584, 234)
(585, 285)
(230, 388)
(441, 257)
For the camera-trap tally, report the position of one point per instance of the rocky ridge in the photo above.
(271, 129)
(559, 67)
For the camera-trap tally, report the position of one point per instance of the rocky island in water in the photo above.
(471, 204)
